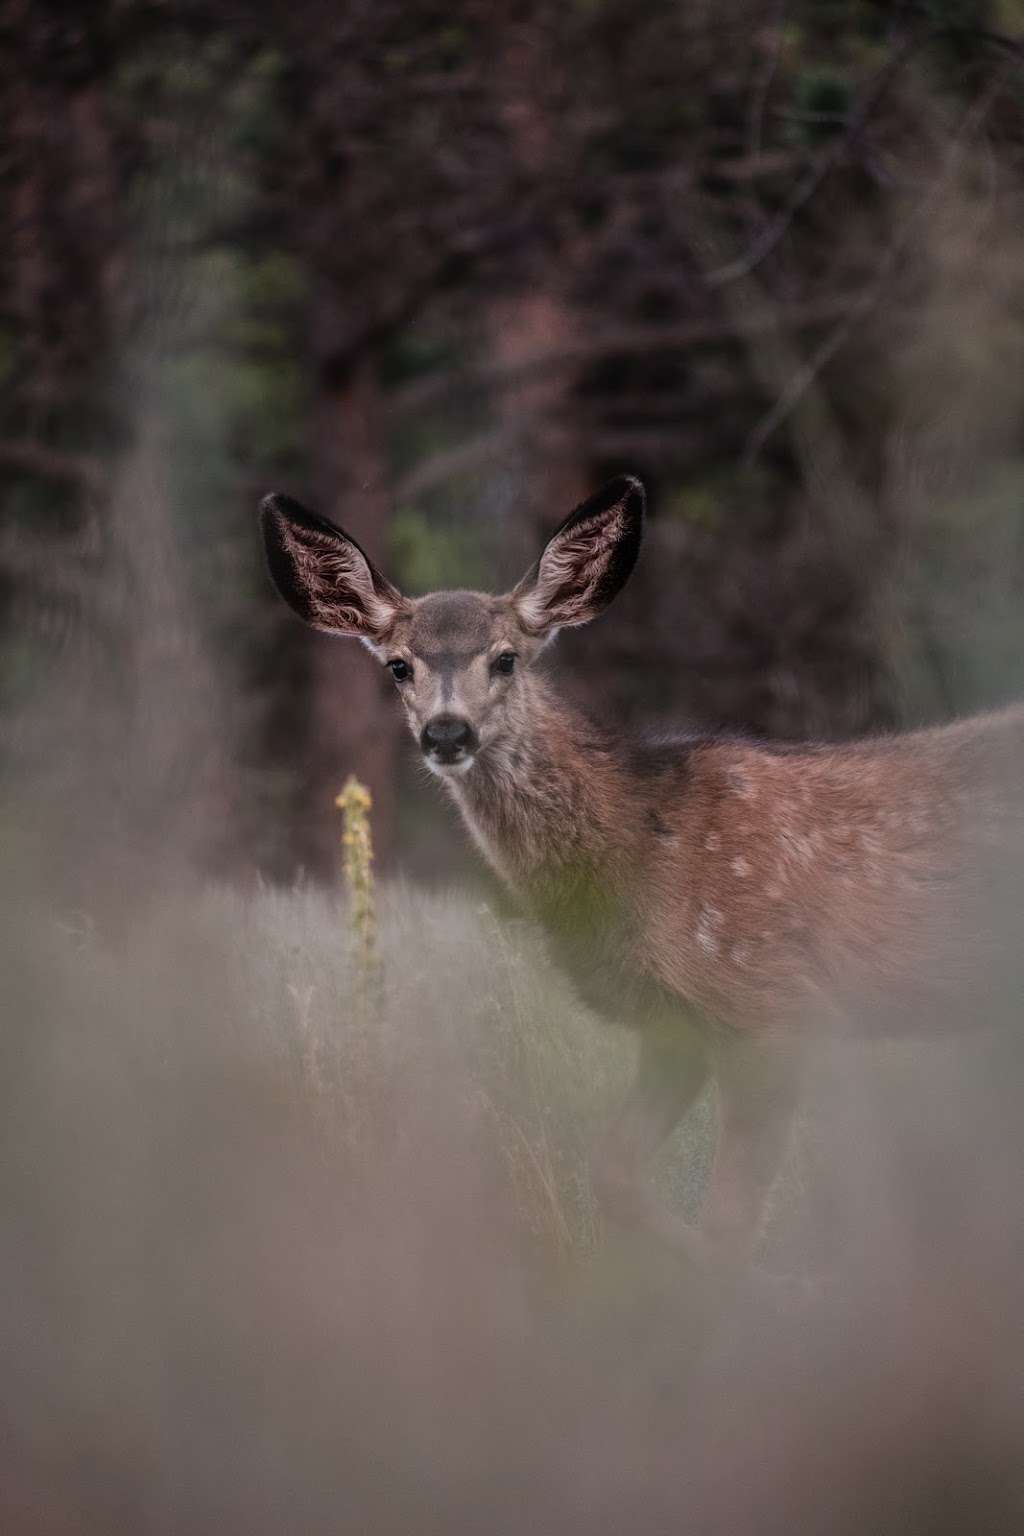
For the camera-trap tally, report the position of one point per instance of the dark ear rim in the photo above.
(625, 492)
(276, 510)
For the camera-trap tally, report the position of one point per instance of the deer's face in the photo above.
(457, 658)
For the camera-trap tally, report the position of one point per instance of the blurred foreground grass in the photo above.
(274, 1261)
(470, 1021)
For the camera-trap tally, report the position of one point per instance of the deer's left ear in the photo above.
(321, 572)
(586, 561)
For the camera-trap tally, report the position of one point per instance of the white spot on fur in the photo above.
(712, 842)
(740, 867)
(742, 783)
(708, 920)
(740, 954)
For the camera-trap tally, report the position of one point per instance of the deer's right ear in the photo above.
(323, 574)
(586, 562)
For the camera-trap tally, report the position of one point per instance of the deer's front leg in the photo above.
(758, 1087)
(672, 1069)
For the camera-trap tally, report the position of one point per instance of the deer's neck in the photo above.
(550, 799)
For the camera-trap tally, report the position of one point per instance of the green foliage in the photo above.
(1009, 16)
(412, 353)
(257, 123)
(697, 504)
(968, 654)
(958, 13)
(428, 556)
(822, 98)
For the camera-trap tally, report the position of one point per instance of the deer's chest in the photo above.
(594, 938)
(591, 923)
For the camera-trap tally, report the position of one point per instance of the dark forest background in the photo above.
(299, 1234)
(438, 270)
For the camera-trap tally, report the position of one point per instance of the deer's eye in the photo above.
(505, 663)
(400, 670)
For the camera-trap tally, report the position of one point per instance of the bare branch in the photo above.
(434, 390)
(766, 76)
(805, 376)
(444, 466)
(836, 152)
(54, 464)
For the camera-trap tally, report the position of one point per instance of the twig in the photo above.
(54, 464)
(436, 389)
(769, 69)
(445, 465)
(805, 376)
(770, 237)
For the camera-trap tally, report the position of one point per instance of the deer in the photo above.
(726, 898)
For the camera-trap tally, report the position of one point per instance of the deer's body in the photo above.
(751, 883)
(722, 897)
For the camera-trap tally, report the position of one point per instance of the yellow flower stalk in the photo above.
(355, 804)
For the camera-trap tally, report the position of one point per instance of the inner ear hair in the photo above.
(324, 575)
(586, 561)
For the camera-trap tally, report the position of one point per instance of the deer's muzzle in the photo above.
(448, 739)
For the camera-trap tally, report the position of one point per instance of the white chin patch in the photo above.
(449, 770)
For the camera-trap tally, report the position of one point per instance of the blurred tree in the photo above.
(440, 268)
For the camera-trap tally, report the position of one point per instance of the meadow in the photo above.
(291, 1246)
(297, 1229)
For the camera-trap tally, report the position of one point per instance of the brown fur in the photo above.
(722, 897)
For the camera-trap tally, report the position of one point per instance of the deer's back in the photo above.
(879, 877)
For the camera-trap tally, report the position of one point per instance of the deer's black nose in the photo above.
(448, 738)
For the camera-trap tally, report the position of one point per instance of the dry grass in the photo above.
(273, 1262)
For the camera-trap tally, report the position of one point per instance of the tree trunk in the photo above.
(535, 324)
(544, 450)
(354, 722)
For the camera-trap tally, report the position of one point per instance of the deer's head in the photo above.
(457, 658)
